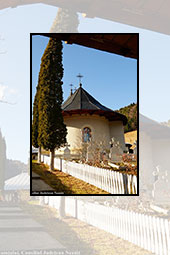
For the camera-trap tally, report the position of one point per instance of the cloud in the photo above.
(2, 91)
(13, 91)
(8, 94)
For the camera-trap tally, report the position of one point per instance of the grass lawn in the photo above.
(62, 182)
(131, 137)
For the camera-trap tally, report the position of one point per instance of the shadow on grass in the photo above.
(50, 178)
(63, 182)
(59, 229)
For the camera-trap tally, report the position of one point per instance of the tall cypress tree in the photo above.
(51, 129)
(66, 21)
(35, 123)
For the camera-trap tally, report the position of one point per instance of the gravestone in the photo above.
(104, 157)
(135, 149)
(67, 155)
(116, 151)
(89, 155)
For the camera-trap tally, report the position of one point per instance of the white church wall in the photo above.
(161, 152)
(146, 165)
(117, 131)
(98, 125)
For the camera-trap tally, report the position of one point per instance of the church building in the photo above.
(89, 121)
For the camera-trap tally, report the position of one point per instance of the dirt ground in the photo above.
(79, 236)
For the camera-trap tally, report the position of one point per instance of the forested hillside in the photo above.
(130, 112)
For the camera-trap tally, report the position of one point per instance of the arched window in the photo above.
(86, 134)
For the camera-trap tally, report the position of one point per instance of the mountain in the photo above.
(13, 168)
(131, 137)
(130, 112)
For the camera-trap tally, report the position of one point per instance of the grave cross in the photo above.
(112, 140)
(160, 174)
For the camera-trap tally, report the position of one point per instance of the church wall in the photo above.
(161, 152)
(117, 131)
(98, 125)
(146, 165)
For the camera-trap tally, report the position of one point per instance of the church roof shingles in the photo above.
(82, 102)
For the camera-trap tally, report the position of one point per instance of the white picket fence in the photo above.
(149, 232)
(110, 181)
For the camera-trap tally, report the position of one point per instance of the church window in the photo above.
(86, 134)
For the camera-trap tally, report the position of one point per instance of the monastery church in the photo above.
(89, 121)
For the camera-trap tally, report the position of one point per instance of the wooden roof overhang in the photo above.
(152, 15)
(110, 115)
(121, 44)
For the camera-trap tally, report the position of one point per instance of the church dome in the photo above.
(81, 102)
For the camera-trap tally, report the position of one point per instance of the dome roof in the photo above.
(82, 102)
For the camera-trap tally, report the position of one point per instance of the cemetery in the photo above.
(91, 153)
(142, 220)
(81, 136)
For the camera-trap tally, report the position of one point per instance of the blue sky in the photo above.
(110, 78)
(17, 23)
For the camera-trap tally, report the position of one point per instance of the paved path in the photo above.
(38, 184)
(18, 231)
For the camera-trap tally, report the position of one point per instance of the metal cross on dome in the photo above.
(71, 91)
(71, 85)
(79, 76)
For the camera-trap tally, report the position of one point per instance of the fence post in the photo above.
(76, 209)
(125, 183)
(61, 164)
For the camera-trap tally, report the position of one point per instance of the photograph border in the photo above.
(51, 193)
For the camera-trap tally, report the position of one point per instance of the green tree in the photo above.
(51, 128)
(130, 112)
(66, 21)
(35, 123)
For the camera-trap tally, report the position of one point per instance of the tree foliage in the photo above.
(66, 21)
(130, 112)
(35, 122)
(51, 129)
